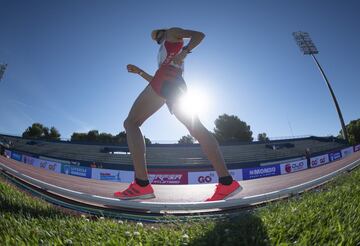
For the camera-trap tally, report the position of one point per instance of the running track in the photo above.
(168, 194)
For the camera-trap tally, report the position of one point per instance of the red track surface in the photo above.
(179, 193)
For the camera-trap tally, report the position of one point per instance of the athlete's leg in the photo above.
(147, 103)
(207, 141)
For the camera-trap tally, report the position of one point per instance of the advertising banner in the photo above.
(356, 148)
(112, 175)
(207, 177)
(347, 151)
(28, 159)
(48, 165)
(319, 160)
(16, 156)
(69, 162)
(176, 177)
(261, 172)
(333, 156)
(8, 153)
(78, 171)
(293, 166)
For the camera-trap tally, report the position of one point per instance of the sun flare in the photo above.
(193, 102)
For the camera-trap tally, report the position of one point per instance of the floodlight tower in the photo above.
(2, 70)
(308, 48)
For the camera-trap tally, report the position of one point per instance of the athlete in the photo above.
(166, 87)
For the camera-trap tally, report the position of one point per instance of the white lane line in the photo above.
(39, 181)
(107, 198)
(6, 167)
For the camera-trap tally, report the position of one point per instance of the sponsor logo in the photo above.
(262, 171)
(288, 168)
(322, 160)
(357, 147)
(259, 172)
(319, 160)
(8, 153)
(28, 160)
(295, 166)
(335, 156)
(347, 151)
(207, 177)
(49, 166)
(204, 179)
(114, 176)
(111, 175)
(168, 178)
(16, 156)
(77, 171)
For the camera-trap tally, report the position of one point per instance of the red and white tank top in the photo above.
(168, 50)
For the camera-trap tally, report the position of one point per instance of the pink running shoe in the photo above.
(225, 191)
(135, 191)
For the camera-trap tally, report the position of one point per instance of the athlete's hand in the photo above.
(133, 69)
(179, 59)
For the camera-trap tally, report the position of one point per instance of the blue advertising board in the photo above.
(78, 171)
(333, 156)
(16, 156)
(260, 172)
(357, 148)
(8, 153)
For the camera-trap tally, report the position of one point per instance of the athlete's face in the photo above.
(160, 36)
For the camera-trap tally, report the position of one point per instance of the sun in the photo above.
(193, 102)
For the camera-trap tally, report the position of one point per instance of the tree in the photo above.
(95, 136)
(231, 128)
(105, 138)
(188, 139)
(54, 134)
(120, 138)
(38, 131)
(34, 131)
(262, 137)
(353, 130)
(78, 137)
(147, 141)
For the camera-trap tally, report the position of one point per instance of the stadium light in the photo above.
(308, 48)
(2, 70)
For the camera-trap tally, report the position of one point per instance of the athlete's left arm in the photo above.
(195, 39)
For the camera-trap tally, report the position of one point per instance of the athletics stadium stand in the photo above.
(237, 155)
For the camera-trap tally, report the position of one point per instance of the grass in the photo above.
(327, 216)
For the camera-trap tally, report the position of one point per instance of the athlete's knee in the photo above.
(130, 122)
(197, 129)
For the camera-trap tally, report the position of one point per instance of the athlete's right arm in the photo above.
(134, 69)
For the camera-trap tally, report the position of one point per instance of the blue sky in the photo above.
(67, 64)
